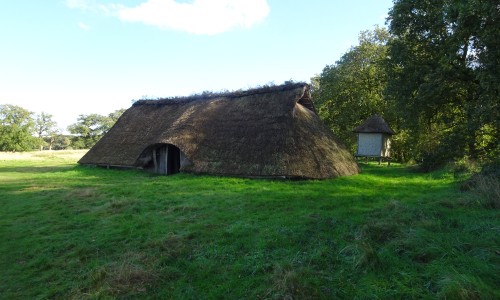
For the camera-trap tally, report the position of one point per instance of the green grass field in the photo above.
(75, 232)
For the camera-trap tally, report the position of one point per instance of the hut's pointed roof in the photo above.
(374, 124)
(269, 132)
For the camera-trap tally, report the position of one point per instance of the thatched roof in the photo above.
(268, 132)
(374, 124)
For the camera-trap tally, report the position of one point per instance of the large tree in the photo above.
(443, 74)
(87, 130)
(90, 128)
(112, 118)
(352, 89)
(16, 128)
(46, 130)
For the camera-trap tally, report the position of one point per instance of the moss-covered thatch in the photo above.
(374, 124)
(266, 132)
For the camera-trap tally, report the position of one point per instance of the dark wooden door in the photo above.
(161, 159)
(167, 159)
(173, 160)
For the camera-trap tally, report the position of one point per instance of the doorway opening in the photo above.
(163, 159)
(167, 159)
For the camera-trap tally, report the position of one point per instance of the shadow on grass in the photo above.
(94, 232)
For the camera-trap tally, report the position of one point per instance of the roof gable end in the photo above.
(374, 124)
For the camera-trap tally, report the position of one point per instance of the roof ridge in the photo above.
(206, 95)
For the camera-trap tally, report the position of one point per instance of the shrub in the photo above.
(432, 161)
(486, 184)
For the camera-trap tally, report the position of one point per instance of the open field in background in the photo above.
(63, 156)
(77, 232)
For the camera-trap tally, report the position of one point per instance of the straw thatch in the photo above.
(266, 132)
(374, 124)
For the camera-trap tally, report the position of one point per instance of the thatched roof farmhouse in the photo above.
(265, 132)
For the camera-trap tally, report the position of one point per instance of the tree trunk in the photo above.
(51, 142)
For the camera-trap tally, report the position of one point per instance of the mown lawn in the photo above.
(68, 231)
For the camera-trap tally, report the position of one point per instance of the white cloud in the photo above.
(84, 26)
(198, 17)
(94, 7)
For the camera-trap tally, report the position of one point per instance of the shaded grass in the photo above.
(77, 232)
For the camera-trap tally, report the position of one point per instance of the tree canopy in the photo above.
(46, 130)
(434, 76)
(16, 128)
(22, 130)
(443, 70)
(353, 88)
(90, 128)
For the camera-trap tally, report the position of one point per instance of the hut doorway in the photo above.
(166, 159)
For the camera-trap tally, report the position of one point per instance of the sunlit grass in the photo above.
(77, 232)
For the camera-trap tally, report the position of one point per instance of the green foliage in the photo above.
(20, 130)
(389, 233)
(16, 128)
(352, 89)
(61, 142)
(486, 183)
(112, 118)
(444, 77)
(46, 130)
(435, 77)
(90, 128)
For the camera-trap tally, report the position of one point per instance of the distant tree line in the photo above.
(22, 130)
(433, 75)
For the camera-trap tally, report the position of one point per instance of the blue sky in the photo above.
(71, 57)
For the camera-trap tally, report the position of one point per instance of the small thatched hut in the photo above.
(266, 132)
(374, 138)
